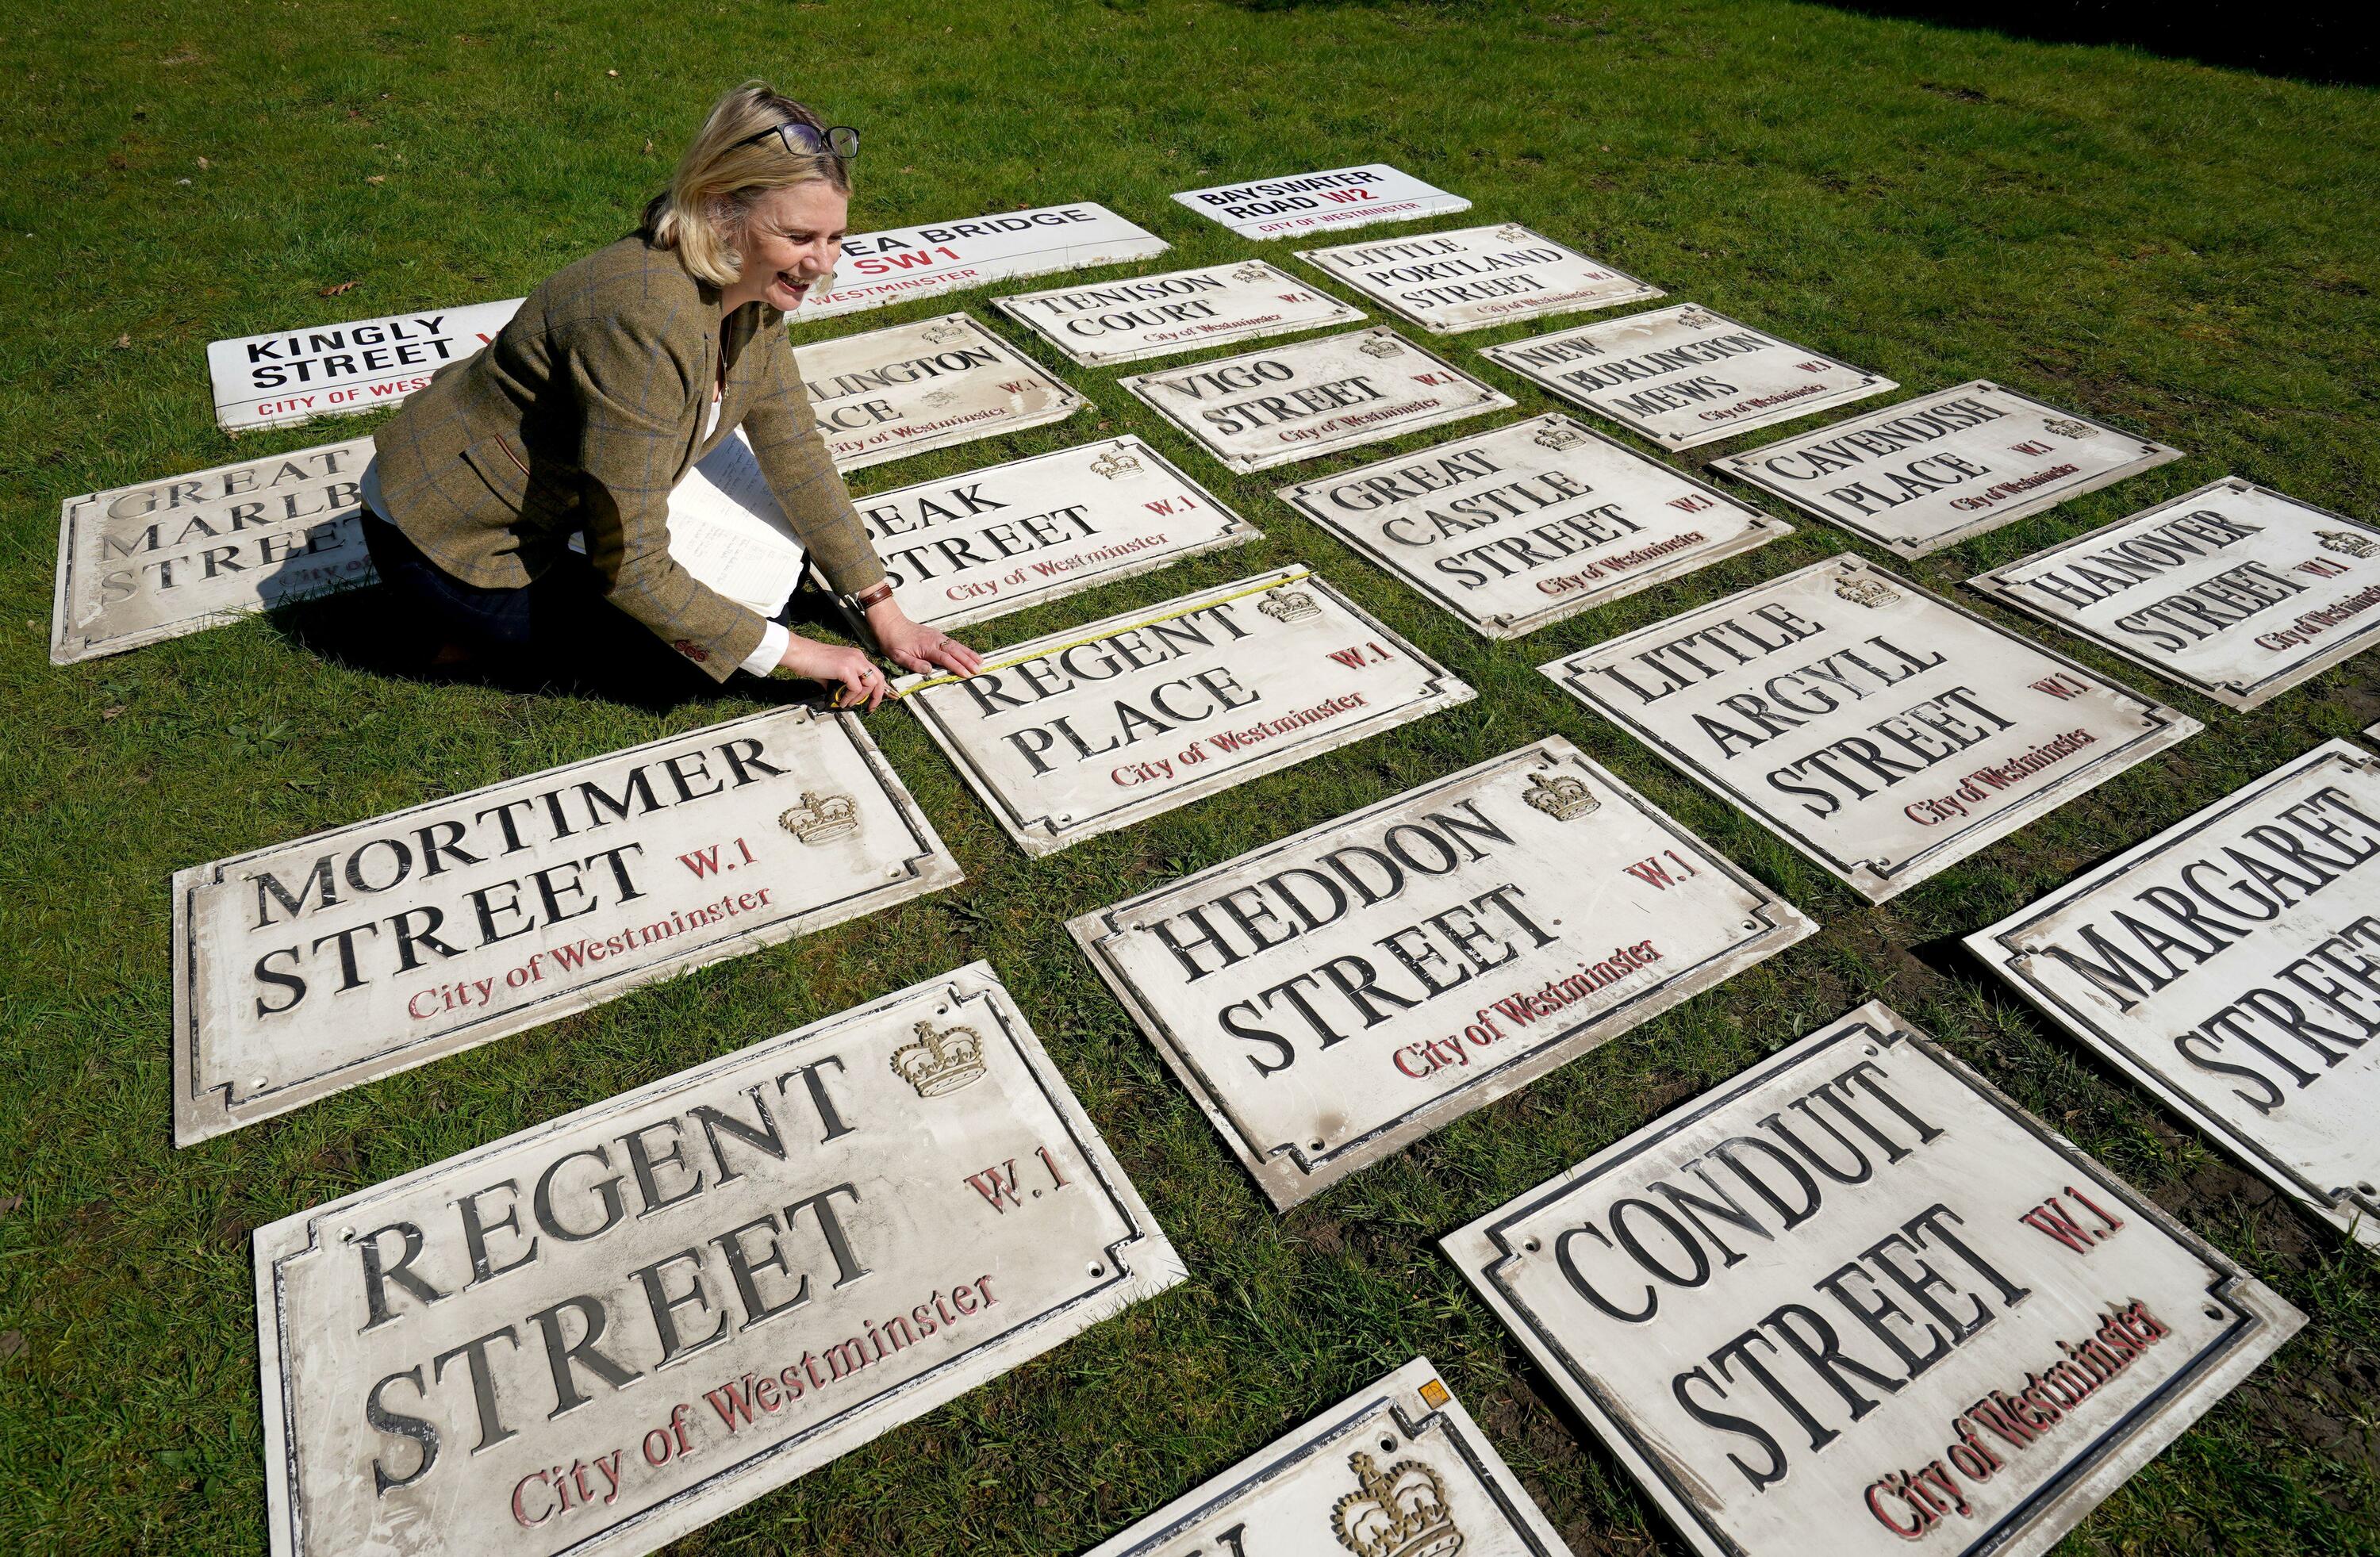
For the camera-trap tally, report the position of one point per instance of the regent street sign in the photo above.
(1099, 323)
(885, 394)
(1326, 200)
(1333, 997)
(1474, 277)
(1882, 731)
(310, 967)
(293, 376)
(902, 263)
(602, 1333)
(1099, 726)
(1855, 1301)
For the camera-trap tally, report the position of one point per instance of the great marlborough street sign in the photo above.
(1854, 1302)
(1099, 726)
(1684, 376)
(1474, 277)
(1335, 997)
(2234, 590)
(1399, 1469)
(1314, 397)
(1880, 730)
(1328, 200)
(1104, 322)
(310, 967)
(601, 1333)
(2231, 965)
(885, 394)
(1920, 475)
(294, 376)
(906, 263)
(1526, 523)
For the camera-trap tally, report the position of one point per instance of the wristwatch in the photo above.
(874, 595)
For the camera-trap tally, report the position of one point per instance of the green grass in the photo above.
(2182, 250)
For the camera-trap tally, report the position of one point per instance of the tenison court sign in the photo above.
(1102, 322)
(902, 263)
(1335, 997)
(293, 376)
(1854, 1303)
(310, 967)
(1476, 276)
(602, 1333)
(1882, 731)
(885, 394)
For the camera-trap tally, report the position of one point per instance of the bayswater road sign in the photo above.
(1327, 201)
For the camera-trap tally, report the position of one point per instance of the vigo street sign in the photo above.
(607, 1331)
(973, 546)
(1096, 728)
(2231, 965)
(1333, 997)
(2234, 590)
(1882, 731)
(310, 967)
(906, 263)
(1856, 1300)
(886, 394)
(1181, 312)
(1526, 523)
(1396, 1471)
(143, 563)
(1282, 404)
(1684, 376)
(1474, 277)
(293, 376)
(1920, 475)
(1324, 201)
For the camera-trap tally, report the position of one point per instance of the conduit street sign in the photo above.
(310, 967)
(969, 547)
(2231, 965)
(886, 394)
(1882, 731)
(1476, 276)
(293, 376)
(2234, 590)
(1684, 376)
(1526, 523)
(1856, 1300)
(1181, 312)
(1324, 201)
(143, 563)
(1333, 997)
(1396, 1471)
(601, 1333)
(906, 263)
(1291, 403)
(1917, 477)
(1099, 726)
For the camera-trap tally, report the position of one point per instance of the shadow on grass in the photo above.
(2312, 42)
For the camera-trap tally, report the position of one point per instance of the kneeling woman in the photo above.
(616, 374)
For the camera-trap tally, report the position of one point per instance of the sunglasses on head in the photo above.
(841, 140)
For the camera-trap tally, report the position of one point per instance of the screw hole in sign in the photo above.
(1388, 1445)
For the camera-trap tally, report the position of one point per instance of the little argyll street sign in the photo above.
(903, 263)
(1854, 1303)
(310, 967)
(1882, 731)
(1099, 323)
(294, 376)
(1333, 997)
(605, 1331)
(1476, 276)
(1323, 201)
(885, 394)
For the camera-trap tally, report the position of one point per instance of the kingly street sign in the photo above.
(341, 370)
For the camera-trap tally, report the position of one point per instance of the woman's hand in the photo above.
(915, 648)
(855, 681)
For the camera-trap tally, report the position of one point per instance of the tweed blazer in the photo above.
(583, 414)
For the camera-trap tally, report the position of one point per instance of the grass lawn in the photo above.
(2184, 251)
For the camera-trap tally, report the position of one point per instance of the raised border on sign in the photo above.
(1341, 313)
(1645, 290)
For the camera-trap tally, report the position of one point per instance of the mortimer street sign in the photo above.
(888, 394)
(1099, 323)
(1476, 276)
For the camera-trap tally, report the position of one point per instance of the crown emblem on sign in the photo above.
(820, 818)
(943, 334)
(1560, 797)
(939, 1062)
(1693, 318)
(1114, 462)
(2348, 544)
(1380, 345)
(941, 397)
(1252, 273)
(1555, 435)
(1284, 604)
(1400, 1512)
(1868, 592)
(1513, 231)
(2067, 426)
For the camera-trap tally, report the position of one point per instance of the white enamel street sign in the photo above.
(1294, 401)
(2231, 965)
(969, 547)
(1882, 731)
(1685, 375)
(2234, 590)
(312, 966)
(1099, 323)
(1468, 936)
(293, 376)
(1096, 728)
(902, 263)
(1474, 277)
(1526, 523)
(1328, 200)
(1399, 1469)
(607, 1331)
(1854, 1302)
(143, 563)
(1927, 472)
(886, 394)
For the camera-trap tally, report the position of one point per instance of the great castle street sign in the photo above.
(1328, 200)
(903, 263)
(293, 376)
(885, 394)
(1472, 277)
(1099, 323)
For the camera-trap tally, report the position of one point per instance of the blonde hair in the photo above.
(701, 214)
